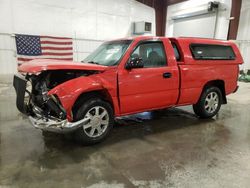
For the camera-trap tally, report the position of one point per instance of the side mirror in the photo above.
(134, 63)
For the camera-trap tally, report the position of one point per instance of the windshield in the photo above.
(109, 53)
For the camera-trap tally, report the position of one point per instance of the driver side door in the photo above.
(151, 87)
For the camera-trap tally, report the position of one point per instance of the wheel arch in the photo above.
(221, 85)
(101, 93)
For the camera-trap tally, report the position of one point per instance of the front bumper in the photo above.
(52, 125)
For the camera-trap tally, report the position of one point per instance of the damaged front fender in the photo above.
(69, 91)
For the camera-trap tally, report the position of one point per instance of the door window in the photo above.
(152, 54)
(176, 52)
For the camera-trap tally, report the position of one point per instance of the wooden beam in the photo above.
(234, 23)
(160, 16)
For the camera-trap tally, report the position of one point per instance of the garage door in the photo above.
(195, 26)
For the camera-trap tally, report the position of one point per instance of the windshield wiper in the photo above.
(92, 62)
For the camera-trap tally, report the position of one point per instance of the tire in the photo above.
(97, 128)
(209, 103)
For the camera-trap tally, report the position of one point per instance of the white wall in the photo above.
(196, 26)
(221, 29)
(243, 37)
(89, 21)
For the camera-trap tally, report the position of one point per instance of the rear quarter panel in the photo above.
(195, 77)
(195, 74)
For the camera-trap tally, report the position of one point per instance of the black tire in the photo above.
(202, 109)
(80, 134)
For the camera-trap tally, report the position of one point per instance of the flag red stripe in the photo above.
(59, 54)
(28, 59)
(23, 59)
(56, 48)
(54, 37)
(58, 43)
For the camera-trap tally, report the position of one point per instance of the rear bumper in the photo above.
(236, 89)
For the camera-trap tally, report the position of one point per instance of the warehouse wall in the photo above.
(221, 28)
(89, 22)
(243, 37)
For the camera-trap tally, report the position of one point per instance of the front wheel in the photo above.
(100, 120)
(209, 103)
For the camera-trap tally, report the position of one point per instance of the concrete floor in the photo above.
(168, 148)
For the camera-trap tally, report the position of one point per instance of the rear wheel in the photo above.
(100, 120)
(209, 103)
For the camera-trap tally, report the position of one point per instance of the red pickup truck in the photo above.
(127, 76)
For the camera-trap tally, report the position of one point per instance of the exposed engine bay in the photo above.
(50, 79)
(32, 92)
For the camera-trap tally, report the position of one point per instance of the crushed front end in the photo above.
(44, 111)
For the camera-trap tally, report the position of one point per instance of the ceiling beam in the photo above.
(172, 2)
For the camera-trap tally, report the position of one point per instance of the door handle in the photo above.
(167, 75)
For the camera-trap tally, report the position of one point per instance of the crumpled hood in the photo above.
(39, 65)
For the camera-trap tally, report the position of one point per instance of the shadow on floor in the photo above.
(138, 126)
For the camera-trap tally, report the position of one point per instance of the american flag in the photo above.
(31, 47)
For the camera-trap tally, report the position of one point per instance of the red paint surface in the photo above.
(145, 89)
(39, 65)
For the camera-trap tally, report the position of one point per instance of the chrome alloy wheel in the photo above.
(211, 102)
(98, 121)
